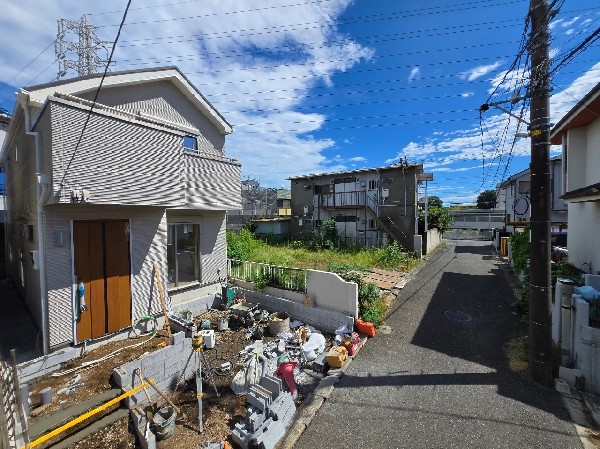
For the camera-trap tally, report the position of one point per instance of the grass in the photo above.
(341, 259)
(517, 351)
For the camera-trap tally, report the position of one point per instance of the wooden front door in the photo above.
(101, 251)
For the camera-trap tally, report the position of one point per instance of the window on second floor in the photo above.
(190, 143)
(373, 184)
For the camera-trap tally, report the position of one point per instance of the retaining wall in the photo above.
(165, 366)
(323, 319)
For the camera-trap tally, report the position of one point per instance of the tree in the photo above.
(434, 201)
(437, 217)
(486, 199)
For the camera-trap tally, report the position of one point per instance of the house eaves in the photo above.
(89, 83)
(589, 193)
(360, 170)
(582, 114)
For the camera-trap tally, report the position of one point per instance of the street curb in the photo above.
(311, 405)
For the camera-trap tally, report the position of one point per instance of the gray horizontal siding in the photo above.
(164, 100)
(119, 162)
(212, 183)
(213, 242)
(148, 246)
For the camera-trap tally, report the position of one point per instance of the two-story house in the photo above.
(104, 184)
(514, 197)
(370, 206)
(578, 132)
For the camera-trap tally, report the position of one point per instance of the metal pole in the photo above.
(540, 313)
(426, 228)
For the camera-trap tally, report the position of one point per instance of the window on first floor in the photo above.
(183, 254)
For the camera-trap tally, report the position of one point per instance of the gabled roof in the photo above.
(582, 114)
(360, 170)
(89, 83)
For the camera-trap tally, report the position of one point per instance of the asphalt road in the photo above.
(441, 378)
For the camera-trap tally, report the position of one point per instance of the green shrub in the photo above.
(519, 247)
(242, 245)
(371, 306)
(390, 256)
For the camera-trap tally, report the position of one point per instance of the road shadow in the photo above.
(469, 317)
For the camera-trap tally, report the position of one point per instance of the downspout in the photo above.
(41, 190)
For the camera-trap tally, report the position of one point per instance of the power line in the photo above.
(5, 83)
(89, 114)
(351, 20)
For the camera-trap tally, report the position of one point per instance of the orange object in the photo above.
(336, 356)
(365, 327)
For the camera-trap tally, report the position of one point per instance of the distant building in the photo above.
(284, 202)
(514, 198)
(370, 206)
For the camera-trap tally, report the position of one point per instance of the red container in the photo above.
(365, 327)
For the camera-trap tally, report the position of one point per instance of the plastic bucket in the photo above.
(164, 422)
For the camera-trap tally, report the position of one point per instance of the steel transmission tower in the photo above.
(84, 48)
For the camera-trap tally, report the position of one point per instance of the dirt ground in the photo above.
(219, 414)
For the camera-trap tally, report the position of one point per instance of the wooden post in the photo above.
(162, 302)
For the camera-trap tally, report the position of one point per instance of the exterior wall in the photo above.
(559, 207)
(212, 182)
(21, 219)
(403, 208)
(162, 99)
(433, 239)
(477, 219)
(583, 242)
(518, 206)
(592, 175)
(213, 241)
(577, 161)
(148, 242)
(398, 208)
(302, 195)
(119, 162)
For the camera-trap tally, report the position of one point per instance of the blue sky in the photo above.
(325, 85)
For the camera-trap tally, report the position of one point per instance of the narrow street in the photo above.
(441, 378)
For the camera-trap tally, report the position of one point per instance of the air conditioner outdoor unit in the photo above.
(385, 193)
(305, 210)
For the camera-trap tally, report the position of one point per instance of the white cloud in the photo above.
(358, 159)
(479, 71)
(415, 73)
(465, 150)
(255, 67)
(506, 81)
(467, 94)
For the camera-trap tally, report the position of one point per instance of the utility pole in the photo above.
(540, 315)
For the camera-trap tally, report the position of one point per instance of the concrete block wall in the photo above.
(323, 319)
(165, 366)
(433, 239)
(46, 364)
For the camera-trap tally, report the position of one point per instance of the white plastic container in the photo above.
(208, 337)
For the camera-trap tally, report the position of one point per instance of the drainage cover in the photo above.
(384, 329)
(457, 315)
